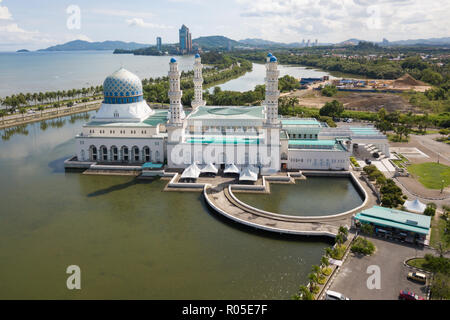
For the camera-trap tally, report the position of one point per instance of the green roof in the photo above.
(150, 165)
(316, 142)
(160, 116)
(396, 219)
(216, 112)
(223, 140)
(300, 122)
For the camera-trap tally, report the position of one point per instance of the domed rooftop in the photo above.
(173, 60)
(273, 59)
(269, 54)
(197, 55)
(122, 87)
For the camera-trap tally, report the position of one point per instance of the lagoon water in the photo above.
(315, 196)
(251, 79)
(130, 239)
(51, 71)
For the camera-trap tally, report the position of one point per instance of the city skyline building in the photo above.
(159, 43)
(185, 40)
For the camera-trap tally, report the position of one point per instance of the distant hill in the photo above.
(349, 42)
(214, 42)
(430, 41)
(77, 45)
(261, 43)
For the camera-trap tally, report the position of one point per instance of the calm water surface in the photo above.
(130, 239)
(256, 76)
(316, 196)
(52, 71)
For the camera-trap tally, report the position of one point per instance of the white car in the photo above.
(333, 295)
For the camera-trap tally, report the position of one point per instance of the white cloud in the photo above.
(123, 13)
(337, 20)
(4, 13)
(139, 22)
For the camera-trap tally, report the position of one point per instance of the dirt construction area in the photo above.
(358, 101)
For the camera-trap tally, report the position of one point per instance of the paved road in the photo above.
(389, 257)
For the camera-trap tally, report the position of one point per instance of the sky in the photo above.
(37, 24)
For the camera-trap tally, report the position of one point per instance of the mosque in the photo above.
(127, 132)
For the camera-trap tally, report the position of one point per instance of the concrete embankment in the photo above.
(54, 113)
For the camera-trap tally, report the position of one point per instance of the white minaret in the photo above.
(175, 94)
(272, 92)
(198, 83)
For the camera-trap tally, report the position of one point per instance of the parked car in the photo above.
(333, 295)
(368, 161)
(417, 276)
(409, 295)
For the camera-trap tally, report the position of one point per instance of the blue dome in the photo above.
(273, 59)
(269, 55)
(173, 60)
(197, 56)
(122, 87)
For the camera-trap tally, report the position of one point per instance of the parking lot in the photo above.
(351, 280)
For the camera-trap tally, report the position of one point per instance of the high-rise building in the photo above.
(158, 43)
(185, 40)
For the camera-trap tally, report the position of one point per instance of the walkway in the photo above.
(222, 201)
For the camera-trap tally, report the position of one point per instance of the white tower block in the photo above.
(272, 92)
(198, 83)
(175, 94)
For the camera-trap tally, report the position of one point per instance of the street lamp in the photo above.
(439, 154)
(442, 187)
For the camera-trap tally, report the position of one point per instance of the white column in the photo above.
(198, 83)
(272, 92)
(175, 94)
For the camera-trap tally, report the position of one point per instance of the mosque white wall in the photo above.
(184, 154)
(155, 149)
(300, 159)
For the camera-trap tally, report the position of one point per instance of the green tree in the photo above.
(305, 294)
(332, 109)
(440, 286)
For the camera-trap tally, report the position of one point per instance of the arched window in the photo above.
(135, 153)
(146, 154)
(93, 153)
(125, 153)
(114, 153)
(104, 153)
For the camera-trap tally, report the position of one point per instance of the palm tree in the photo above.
(328, 251)
(3, 114)
(313, 280)
(340, 239)
(41, 108)
(305, 293)
(325, 261)
(22, 112)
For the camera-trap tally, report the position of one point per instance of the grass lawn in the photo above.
(438, 235)
(431, 174)
(418, 263)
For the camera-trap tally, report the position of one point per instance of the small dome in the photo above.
(122, 87)
(273, 59)
(269, 55)
(173, 60)
(197, 56)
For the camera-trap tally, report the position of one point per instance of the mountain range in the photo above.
(105, 45)
(221, 42)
